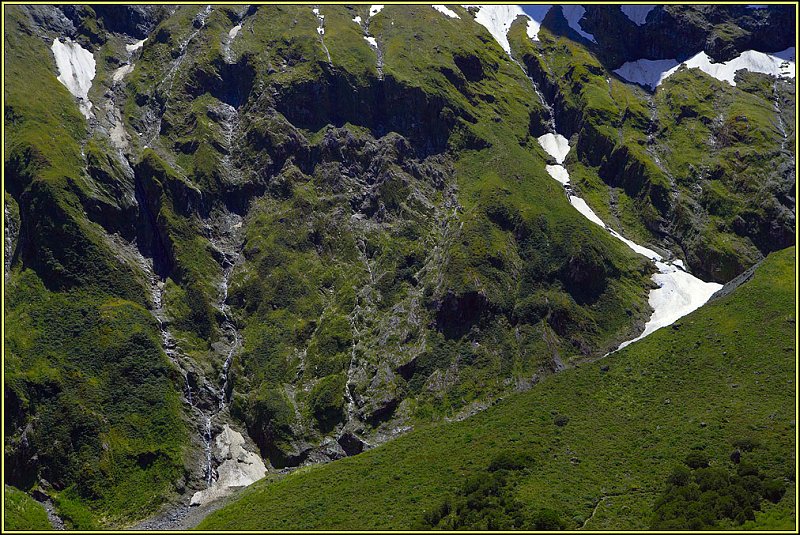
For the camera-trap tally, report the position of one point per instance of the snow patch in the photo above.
(640, 249)
(533, 29)
(121, 72)
(321, 20)
(751, 60)
(239, 467)
(555, 145)
(135, 46)
(647, 72)
(498, 19)
(371, 40)
(234, 31)
(558, 172)
(76, 68)
(444, 10)
(574, 14)
(535, 14)
(375, 9)
(678, 292)
(581, 206)
(357, 19)
(651, 73)
(637, 13)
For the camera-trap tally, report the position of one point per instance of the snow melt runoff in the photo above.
(76, 70)
(498, 19)
(678, 292)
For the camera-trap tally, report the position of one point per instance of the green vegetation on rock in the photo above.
(328, 236)
(631, 417)
(22, 513)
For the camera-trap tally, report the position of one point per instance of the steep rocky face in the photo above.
(696, 159)
(675, 31)
(320, 229)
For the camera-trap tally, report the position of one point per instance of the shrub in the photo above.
(560, 420)
(510, 461)
(680, 476)
(746, 444)
(696, 459)
(326, 401)
(774, 489)
(547, 519)
(699, 498)
(746, 469)
(485, 502)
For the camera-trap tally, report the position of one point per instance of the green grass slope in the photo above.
(21, 512)
(699, 160)
(90, 402)
(597, 442)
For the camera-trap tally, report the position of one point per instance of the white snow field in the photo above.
(637, 13)
(446, 11)
(375, 9)
(76, 70)
(121, 72)
(555, 145)
(647, 72)
(137, 45)
(651, 73)
(678, 292)
(239, 467)
(559, 172)
(581, 206)
(498, 19)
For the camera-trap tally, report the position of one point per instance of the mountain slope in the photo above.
(241, 239)
(722, 375)
(21, 512)
(700, 164)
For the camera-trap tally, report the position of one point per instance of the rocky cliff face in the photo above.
(675, 31)
(676, 153)
(296, 233)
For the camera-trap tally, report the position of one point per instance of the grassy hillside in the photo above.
(21, 512)
(89, 398)
(593, 445)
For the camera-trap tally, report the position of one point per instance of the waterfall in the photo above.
(207, 437)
